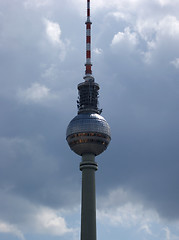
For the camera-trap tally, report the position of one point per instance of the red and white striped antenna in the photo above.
(88, 64)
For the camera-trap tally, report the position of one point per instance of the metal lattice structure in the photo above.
(88, 94)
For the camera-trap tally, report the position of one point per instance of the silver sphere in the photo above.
(88, 133)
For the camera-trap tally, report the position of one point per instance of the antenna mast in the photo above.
(88, 23)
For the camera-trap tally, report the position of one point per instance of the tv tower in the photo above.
(88, 135)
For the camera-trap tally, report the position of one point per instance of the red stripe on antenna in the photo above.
(88, 26)
(88, 69)
(88, 39)
(88, 54)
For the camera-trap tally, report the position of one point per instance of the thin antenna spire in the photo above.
(88, 41)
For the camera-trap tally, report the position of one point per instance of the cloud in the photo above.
(10, 229)
(167, 34)
(53, 32)
(169, 235)
(120, 16)
(175, 63)
(121, 208)
(146, 228)
(125, 38)
(169, 25)
(40, 94)
(36, 3)
(48, 221)
(36, 93)
(27, 217)
(98, 51)
(105, 4)
(167, 232)
(167, 2)
(147, 28)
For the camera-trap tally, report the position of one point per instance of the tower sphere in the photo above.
(88, 133)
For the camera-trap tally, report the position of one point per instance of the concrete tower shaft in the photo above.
(88, 166)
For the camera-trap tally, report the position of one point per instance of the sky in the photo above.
(135, 55)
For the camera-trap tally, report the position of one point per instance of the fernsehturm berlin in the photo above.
(88, 135)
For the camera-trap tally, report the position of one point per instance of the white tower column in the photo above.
(88, 166)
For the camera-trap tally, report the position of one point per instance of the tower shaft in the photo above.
(88, 166)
